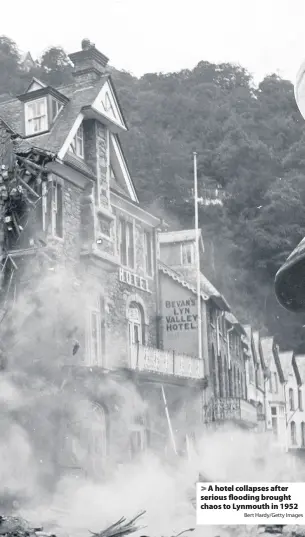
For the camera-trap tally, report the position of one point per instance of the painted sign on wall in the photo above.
(180, 315)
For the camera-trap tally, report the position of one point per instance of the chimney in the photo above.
(89, 63)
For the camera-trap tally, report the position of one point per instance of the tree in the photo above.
(55, 66)
(9, 66)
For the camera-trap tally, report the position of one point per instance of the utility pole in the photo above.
(197, 259)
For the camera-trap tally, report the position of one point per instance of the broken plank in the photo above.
(29, 188)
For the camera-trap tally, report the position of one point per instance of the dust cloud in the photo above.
(39, 397)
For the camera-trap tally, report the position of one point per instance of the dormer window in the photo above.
(77, 145)
(36, 116)
(187, 253)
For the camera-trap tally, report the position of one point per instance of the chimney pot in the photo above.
(89, 63)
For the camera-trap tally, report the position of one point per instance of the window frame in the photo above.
(59, 107)
(300, 399)
(291, 400)
(302, 434)
(293, 433)
(28, 120)
(276, 383)
(183, 246)
(136, 324)
(78, 143)
(49, 206)
(57, 221)
(148, 251)
(125, 224)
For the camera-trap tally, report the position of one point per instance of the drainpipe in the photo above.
(157, 285)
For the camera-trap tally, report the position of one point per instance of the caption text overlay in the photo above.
(250, 503)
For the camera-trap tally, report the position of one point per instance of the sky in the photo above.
(145, 36)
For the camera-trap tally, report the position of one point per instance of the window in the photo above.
(275, 383)
(138, 437)
(187, 253)
(57, 209)
(211, 315)
(148, 250)
(77, 144)
(270, 382)
(104, 226)
(274, 421)
(36, 117)
(293, 433)
(52, 207)
(96, 333)
(56, 106)
(300, 399)
(135, 325)
(108, 105)
(291, 399)
(218, 333)
(220, 377)
(303, 434)
(97, 441)
(127, 252)
(251, 371)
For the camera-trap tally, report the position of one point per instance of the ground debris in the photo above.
(17, 527)
(121, 527)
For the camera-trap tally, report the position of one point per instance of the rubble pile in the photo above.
(21, 188)
(17, 527)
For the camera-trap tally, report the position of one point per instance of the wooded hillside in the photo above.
(250, 140)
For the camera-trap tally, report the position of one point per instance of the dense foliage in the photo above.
(250, 140)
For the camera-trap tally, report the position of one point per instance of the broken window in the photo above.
(36, 117)
(126, 237)
(77, 144)
(148, 253)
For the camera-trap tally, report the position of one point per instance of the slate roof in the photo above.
(79, 93)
